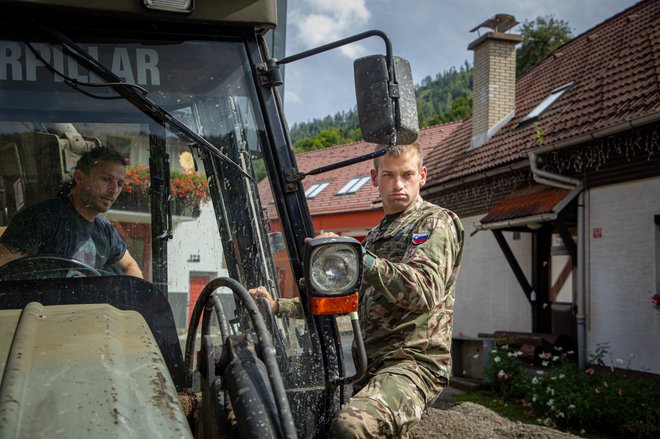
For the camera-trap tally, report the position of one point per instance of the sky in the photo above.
(432, 34)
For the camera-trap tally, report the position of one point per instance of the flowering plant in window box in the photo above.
(188, 190)
(189, 186)
(137, 179)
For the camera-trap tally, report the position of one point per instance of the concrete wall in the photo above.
(623, 274)
(488, 296)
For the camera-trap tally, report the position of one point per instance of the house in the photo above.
(556, 177)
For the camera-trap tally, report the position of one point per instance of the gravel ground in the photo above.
(466, 420)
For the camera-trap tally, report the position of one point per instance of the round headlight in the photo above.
(335, 269)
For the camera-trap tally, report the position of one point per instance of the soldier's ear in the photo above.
(374, 174)
(422, 173)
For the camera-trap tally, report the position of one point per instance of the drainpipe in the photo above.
(548, 178)
(561, 181)
(582, 280)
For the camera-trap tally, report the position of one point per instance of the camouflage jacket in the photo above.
(407, 297)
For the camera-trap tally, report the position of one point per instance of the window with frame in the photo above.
(315, 189)
(353, 185)
(547, 102)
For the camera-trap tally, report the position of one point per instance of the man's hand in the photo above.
(261, 291)
(323, 235)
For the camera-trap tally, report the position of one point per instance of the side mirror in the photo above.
(383, 106)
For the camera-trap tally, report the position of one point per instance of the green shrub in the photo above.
(598, 399)
(507, 372)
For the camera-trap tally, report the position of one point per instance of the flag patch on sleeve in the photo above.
(419, 238)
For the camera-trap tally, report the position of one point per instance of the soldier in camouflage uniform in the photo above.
(406, 303)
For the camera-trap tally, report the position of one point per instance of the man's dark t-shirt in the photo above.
(55, 228)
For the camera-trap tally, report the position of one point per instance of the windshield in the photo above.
(185, 216)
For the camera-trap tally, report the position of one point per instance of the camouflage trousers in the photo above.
(387, 407)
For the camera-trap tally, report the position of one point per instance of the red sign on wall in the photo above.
(597, 232)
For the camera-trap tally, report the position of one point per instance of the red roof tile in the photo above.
(327, 202)
(615, 71)
(535, 200)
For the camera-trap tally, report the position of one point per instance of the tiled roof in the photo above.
(535, 200)
(615, 70)
(327, 202)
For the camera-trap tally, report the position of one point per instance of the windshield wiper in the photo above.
(138, 99)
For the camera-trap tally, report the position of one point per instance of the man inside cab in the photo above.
(70, 226)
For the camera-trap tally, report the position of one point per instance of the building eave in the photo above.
(555, 146)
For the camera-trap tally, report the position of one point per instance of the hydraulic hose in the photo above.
(265, 348)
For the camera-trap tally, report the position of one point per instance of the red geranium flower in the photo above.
(188, 185)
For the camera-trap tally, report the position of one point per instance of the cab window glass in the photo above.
(215, 222)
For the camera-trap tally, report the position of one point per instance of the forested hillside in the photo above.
(445, 98)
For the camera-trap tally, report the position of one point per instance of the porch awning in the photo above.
(530, 207)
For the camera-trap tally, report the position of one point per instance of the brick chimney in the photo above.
(494, 78)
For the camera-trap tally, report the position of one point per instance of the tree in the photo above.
(324, 139)
(540, 38)
(444, 98)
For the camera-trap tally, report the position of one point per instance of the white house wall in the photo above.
(622, 275)
(197, 237)
(488, 296)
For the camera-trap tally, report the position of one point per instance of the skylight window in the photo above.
(547, 102)
(315, 189)
(353, 186)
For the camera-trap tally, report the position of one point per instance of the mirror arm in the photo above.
(371, 155)
(394, 88)
(343, 42)
(294, 177)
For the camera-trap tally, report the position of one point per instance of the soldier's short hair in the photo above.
(399, 150)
